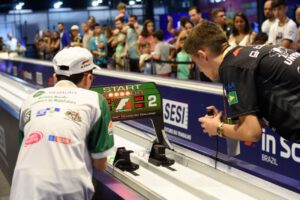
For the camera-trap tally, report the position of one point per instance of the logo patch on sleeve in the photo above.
(232, 98)
(110, 128)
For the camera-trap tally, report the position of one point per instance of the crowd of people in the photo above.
(129, 45)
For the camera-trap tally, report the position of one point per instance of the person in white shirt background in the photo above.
(11, 44)
(284, 31)
(270, 19)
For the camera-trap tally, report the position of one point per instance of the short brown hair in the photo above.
(195, 8)
(206, 35)
(216, 11)
(121, 6)
(277, 3)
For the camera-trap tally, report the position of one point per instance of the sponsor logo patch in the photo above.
(74, 116)
(38, 93)
(27, 117)
(237, 51)
(110, 128)
(33, 138)
(85, 63)
(45, 111)
(59, 139)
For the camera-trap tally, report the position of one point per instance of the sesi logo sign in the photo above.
(175, 113)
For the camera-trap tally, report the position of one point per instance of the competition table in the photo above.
(267, 167)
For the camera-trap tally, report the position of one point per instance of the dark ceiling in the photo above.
(38, 5)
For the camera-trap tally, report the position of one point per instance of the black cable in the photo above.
(217, 151)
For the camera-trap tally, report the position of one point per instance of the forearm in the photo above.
(237, 132)
(170, 26)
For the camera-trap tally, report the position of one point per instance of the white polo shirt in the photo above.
(63, 128)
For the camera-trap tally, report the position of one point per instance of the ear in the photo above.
(54, 78)
(202, 54)
(88, 81)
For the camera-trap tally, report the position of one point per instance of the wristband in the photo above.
(220, 129)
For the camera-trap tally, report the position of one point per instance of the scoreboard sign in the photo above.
(132, 101)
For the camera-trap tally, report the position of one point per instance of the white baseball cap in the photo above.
(74, 27)
(73, 60)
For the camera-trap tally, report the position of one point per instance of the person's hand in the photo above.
(215, 110)
(116, 32)
(210, 123)
(123, 55)
(170, 19)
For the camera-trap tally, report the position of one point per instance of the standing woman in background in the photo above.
(147, 35)
(242, 34)
(54, 44)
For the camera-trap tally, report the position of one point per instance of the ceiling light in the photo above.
(57, 4)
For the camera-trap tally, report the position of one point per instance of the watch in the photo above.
(220, 129)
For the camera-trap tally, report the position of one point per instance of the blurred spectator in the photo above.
(270, 19)
(47, 41)
(64, 36)
(54, 44)
(145, 55)
(91, 24)
(284, 31)
(174, 31)
(110, 48)
(219, 17)
(131, 48)
(2, 45)
(20, 49)
(183, 70)
(195, 15)
(188, 27)
(122, 12)
(241, 32)
(261, 38)
(76, 40)
(161, 53)
(11, 44)
(87, 35)
(147, 34)
(41, 48)
(98, 46)
(297, 14)
(119, 43)
(102, 60)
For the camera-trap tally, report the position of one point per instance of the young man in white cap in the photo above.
(76, 40)
(65, 131)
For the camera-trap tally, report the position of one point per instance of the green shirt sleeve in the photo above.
(101, 136)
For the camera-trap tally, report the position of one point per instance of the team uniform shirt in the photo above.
(264, 81)
(63, 128)
(286, 32)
